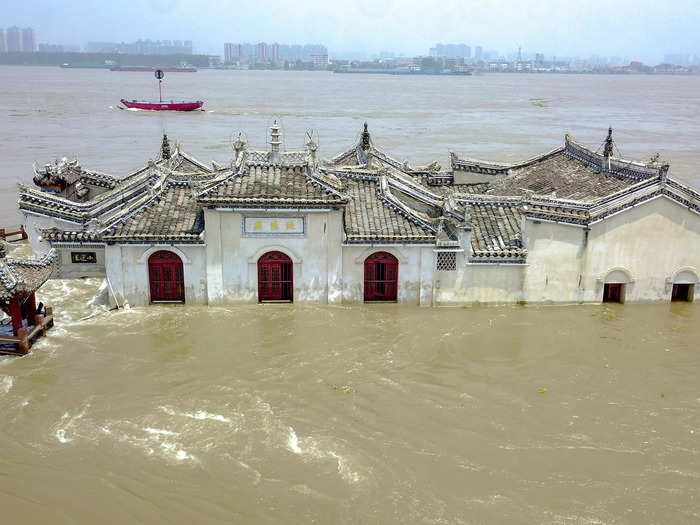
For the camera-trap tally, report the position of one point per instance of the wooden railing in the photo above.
(4, 234)
(24, 339)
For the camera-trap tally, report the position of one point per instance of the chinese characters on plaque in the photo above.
(83, 257)
(274, 225)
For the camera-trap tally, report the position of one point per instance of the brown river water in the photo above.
(276, 414)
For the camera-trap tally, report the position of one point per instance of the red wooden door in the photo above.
(381, 277)
(275, 277)
(166, 277)
(612, 293)
(681, 292)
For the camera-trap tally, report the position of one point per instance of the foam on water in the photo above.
(294, 441)
(6, 384)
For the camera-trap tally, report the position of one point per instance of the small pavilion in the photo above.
(19, 280)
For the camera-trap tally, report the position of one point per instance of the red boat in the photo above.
(163, 106)
(160, 105)
(183, 69)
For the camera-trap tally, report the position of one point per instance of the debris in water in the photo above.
(663, 395)
(542, 390)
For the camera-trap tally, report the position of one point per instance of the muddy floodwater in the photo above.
(278, 414)
(353, 414)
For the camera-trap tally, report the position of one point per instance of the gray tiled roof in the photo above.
(496, 232)
(273, 185)
(369, 219)
(24, 275)
(172, 215)
(560, 176)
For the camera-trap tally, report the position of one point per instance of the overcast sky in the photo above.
(638, 29)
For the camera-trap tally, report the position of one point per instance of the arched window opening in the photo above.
(275, 278)
(381, 277)
(684, 286)
(166, 276)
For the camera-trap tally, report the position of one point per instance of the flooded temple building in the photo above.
(571, 225)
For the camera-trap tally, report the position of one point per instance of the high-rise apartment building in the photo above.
(28, 40)
(320, 61)
(3, 42)
(275, 52)
(478, 53)
(261, 54)
(232, 52)
(14, 39)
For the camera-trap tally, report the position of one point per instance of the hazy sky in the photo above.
(638, 29)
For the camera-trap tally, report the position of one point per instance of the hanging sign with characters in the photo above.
(274, 225)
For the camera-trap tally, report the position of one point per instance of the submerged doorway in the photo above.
(275, 278)
(381, 277)
(166, 277)
(613, 293)
(682, 292)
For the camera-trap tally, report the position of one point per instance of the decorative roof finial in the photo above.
(239, 144)
(165, 148)
(239, 148)
(311, 148)
(608, 149)
(275, 143)
(365, 138)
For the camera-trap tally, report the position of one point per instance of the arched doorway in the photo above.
(275, 278)
(684, 286)
(166, 277)
(381, 277)
(615, 286)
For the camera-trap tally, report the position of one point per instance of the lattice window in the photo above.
(447, 261)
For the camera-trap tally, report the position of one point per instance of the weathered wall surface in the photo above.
(479, 283)
(414, 275)
(651, 243)
(555, 260)
(232, 256)
(71, 270)
(127, 269)
(648, 245)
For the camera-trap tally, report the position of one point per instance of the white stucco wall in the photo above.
(232, 255)
(555, 262)
(34, 223)
(651, 242)
(127, 270)
(647, 245)
(479, 283)
(415, 282)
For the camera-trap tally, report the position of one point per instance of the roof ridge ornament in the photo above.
(275, 142)
(311, 147)
(165, 147)
(366, 141)
(608, 149)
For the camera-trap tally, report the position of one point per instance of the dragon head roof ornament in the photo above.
(366, 143)
(165, 147)
(608, 149)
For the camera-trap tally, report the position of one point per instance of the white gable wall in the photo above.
(651, 242)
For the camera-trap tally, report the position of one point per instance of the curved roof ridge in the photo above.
(504, 165)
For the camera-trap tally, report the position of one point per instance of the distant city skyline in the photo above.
(643, 30)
